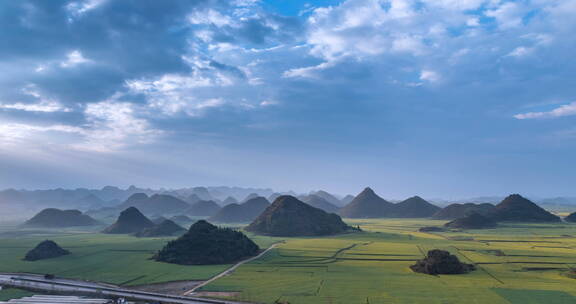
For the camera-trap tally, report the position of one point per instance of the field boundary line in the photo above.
(483, 269)
(231, 269)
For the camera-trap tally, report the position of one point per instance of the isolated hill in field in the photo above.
(454, 211)
(166, 228)
(181, 219)
(346, 200)
(288, 216)
(155, 204)
(241, 213)
(328, 197)
(203, 208)
(320, 203)
(229, 200)
(571, 217)
(441, 262)
(130, 220)
(367, 204)
(206, 244)
(472, 221)
(52, 217)
(516, 208)
(45, 250)
(414, 207)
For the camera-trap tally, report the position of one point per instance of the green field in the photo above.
(517, 263)
(116, 259)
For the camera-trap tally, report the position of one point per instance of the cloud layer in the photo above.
(114, 77)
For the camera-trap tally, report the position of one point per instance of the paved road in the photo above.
(230, 270)
(38, 282)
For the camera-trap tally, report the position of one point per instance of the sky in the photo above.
(438, 98)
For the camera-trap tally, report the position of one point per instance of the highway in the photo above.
(67, 286)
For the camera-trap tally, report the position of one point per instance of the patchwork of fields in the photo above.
(518, 263)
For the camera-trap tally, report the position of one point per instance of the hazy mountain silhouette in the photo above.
(472, 221)
(130, 221)
(454, 211)
(53, 217)
(203, 208)
(229, 200)
(241, 213)
(155, 204)
(317, 201)
(165, 228)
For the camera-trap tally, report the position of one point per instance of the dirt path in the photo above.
(230, 270)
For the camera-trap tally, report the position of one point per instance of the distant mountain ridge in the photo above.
(241, 213)
(368, 204)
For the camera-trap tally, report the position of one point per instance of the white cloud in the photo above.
(209, 16)
(461, 5)
(520, 51)
(43, 106)
(408, 44)
(308, 72)
(430, 76)
(12, 132)
(565, 110)
(78, 8)
(267, 103)
(73, 59)
(113, 125)
(508, 15)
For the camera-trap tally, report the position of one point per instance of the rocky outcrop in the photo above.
(441, 262)
(45, 250)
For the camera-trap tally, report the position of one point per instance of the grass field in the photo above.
(116, 259)
(517, 264)
(520, 263)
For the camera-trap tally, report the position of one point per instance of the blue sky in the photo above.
(441, 98)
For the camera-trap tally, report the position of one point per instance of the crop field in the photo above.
(116, 259)
(517, 263)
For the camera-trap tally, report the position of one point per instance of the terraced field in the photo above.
(516, 264)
